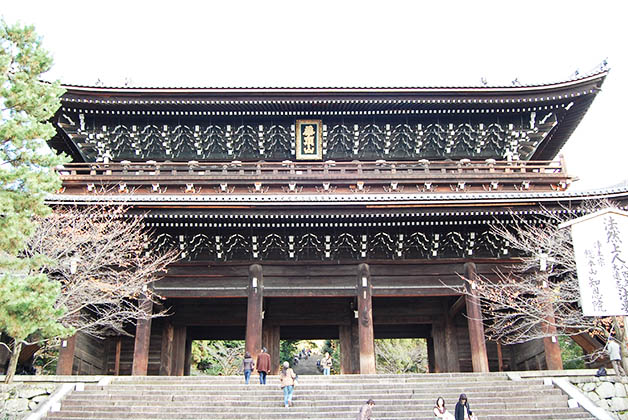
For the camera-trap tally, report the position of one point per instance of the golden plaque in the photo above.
(309, 139)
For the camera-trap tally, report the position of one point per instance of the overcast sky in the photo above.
(351, 43)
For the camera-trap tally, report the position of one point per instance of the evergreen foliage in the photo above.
(27, 297)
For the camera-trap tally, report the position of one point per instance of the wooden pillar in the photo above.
(430, 355)
(178, 350)
(553, 358)
(270, 340)
(254, 310)
(142, 339)
(167, 341)
(500, 357)
(440, 349)
(451, 343)
(365, 320)
(66, 356)
(346, 349)
(187, 364)
(479, 357)
(116, 361)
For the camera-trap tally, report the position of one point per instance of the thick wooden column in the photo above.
(479, 357)
(66, 356)
(270, 340)
(254, 310)
(553, 358)
(167, 341)
(451, 345)
(116, 360)
(365, 320)
(187, 364)
(178, 350)
(430, 355)
(440, 349)
(346, 349)
(142, 339)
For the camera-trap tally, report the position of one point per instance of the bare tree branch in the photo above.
(100, 256)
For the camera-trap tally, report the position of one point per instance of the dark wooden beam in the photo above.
(458, 305)
(365, 320)
(66, 356)
(479, 357)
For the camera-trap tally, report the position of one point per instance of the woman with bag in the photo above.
(286, 379)
(462, 411)
(247, 365)
(440, 412)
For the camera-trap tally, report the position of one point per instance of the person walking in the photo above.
(462, 410)
(286, 379)
(440, 412)
(614, 353)
(263, 365)
(247, 364)
(366, 410)
(327, 362)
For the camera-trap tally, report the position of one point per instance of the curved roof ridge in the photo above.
(516, 88)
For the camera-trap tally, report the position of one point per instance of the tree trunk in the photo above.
(15, 355)
(622, 337)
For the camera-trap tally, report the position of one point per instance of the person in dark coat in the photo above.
(462, 411)
(263, 365)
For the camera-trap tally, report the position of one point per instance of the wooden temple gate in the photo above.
(320, 213)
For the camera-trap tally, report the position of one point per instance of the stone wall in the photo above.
(18, 400)
(608, 392)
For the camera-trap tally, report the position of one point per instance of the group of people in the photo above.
(288, 379)
(263, 366)
(461, 411)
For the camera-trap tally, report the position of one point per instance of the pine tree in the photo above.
(27, 174)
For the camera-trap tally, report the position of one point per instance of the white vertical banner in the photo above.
(600, 243)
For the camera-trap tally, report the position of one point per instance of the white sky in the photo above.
(351, 43)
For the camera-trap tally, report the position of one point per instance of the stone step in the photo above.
(274, 382)
(291, 413)
(339, 397)
(509, 386)
(297, 412)
(382, 407)
(557, 399)
(429, 378)
(449, 396)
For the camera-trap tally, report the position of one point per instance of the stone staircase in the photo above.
(491, 396)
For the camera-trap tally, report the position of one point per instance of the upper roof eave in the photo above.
(329, 92)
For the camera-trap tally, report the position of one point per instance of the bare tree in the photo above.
(101, 258)
(539, 296)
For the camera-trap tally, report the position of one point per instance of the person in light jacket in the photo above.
(247, 364)
(366, 410)
(286, 378)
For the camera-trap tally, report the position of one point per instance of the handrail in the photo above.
(402, 169)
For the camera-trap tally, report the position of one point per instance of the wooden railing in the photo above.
(329, 170)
